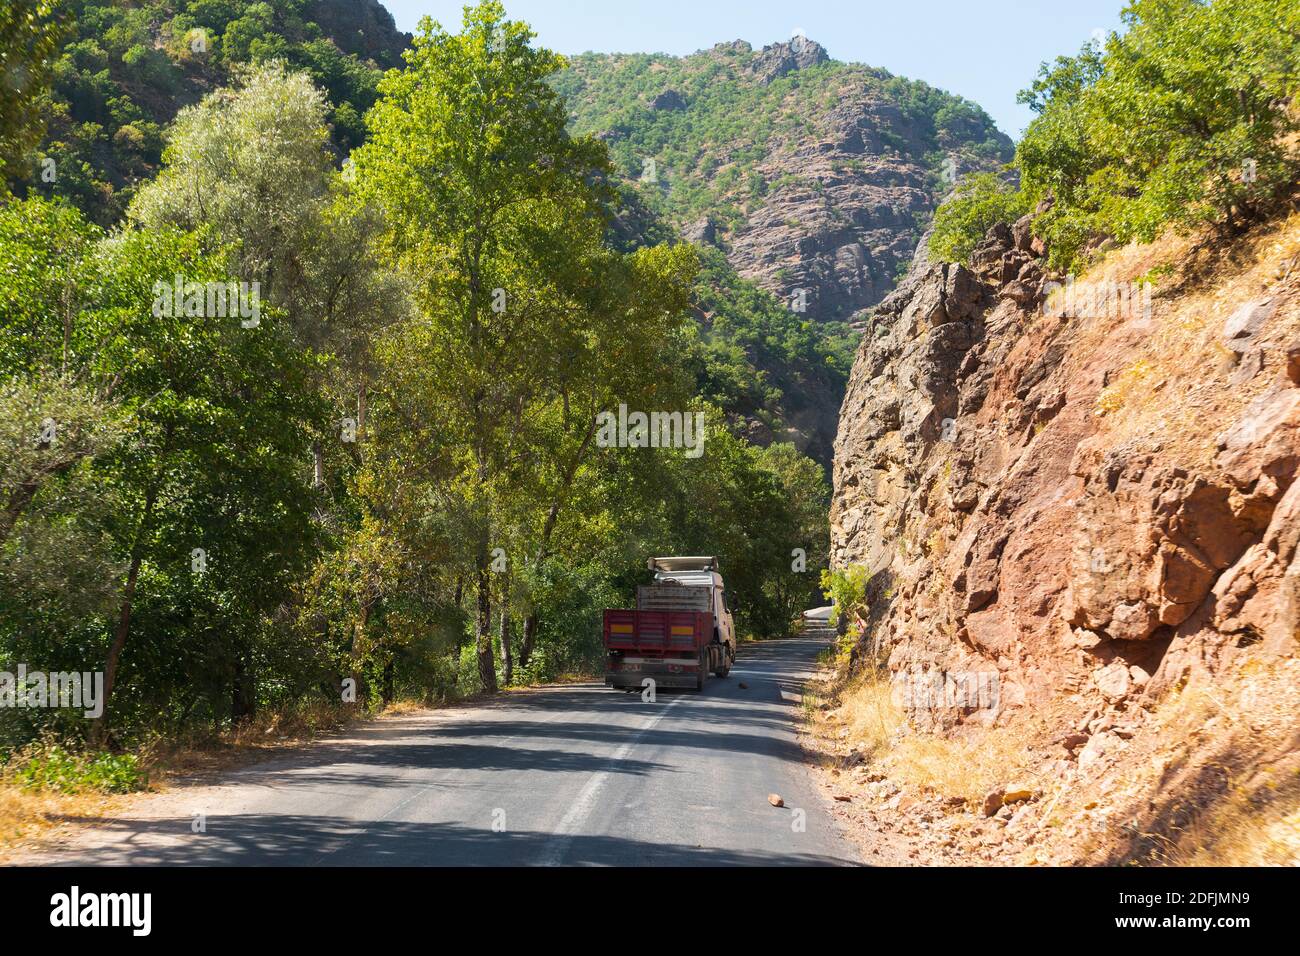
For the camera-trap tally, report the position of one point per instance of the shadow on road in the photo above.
(282, 840)
(351, 800)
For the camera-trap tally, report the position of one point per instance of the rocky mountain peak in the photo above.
(732, 47)
(781, 58)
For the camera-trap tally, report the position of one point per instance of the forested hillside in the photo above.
(842, 165)
(125, 69)
(812, 174)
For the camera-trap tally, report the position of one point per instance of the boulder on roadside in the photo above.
(1114, 681)
(1098, 747)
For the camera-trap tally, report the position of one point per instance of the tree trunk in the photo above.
(505, 633)
(483, 627)
(389, 681)
(357, 650)
(243, 699)
(530, 635)
(99, 734)
(507, 658)
(363, 407)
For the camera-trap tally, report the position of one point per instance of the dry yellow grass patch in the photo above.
(400, 708)
(1239, 834)
(27, 815)
(1251, 718)
(1114, 397)
(869, 718)
(1181, 373)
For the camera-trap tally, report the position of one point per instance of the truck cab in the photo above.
(699, 573)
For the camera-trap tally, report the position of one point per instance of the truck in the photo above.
(680, 631)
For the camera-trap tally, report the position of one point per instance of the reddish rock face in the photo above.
(1008, 523)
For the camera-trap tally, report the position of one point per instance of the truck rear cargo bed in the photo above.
(671, 647)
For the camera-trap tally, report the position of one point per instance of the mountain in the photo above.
(814, 177)
(806, 183)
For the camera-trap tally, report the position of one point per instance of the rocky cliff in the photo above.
(1089, 490)
(815, 177)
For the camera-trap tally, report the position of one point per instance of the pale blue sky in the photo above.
(984, 50)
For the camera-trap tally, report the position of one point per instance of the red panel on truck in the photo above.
(670, 633)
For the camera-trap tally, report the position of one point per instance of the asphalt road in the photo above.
(568, 775)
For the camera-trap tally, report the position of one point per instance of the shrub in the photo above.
(966, 215)
(54, 768)
(1182, 120)
(847, 590)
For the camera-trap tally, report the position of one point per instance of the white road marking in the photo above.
(568, 827)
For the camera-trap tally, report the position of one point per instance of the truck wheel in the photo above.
(702, 672)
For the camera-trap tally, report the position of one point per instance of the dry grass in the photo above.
(400, 708)
(1249, 720)
(1238, 833)
(27, 816)
(1180, 370)
(569, 677)
(267, 732)
(870, 720)
(1213, 779)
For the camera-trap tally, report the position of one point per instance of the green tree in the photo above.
(211, 501)
(978, 202)
(173, 434)
(1183, 119)
(30, 32)
(490, 207)
(252, 167)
